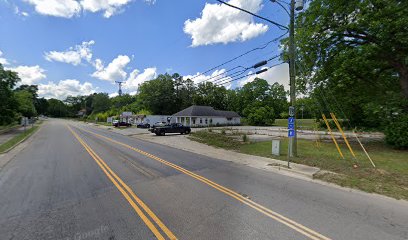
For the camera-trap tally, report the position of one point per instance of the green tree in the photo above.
(9, 104)
(75, 104)
(100, 102)
(259, 115)
(25, 101)
(121, 101)
(259, 93)
(209, 94)
(158, 95)
(56, 108)
(33, 89)
(41, 105)
(354, 55)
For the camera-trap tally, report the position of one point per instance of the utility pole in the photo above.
(292, 147)
(120, 87)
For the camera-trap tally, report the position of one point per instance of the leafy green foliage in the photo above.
(260, 102)
(56, 108)
(9, 104)
(209, 94)
(259, 115)
(25, 100)
(396, 133)
(100, 102)
(158, 95)
(352, 59)
(41, 105)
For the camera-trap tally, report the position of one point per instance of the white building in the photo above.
(141, 118)
(202, 116)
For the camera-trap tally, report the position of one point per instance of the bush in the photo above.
(223, 131)
(259, 116)
(244, 138)
(332, 124)
(396, 133)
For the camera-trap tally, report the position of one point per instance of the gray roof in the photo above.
(207, 111)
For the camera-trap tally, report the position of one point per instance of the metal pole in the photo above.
(293, 140)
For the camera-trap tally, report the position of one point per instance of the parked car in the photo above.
(114, 122)
(122, 124)
(171, 128)
(157, 124)
(143, 125)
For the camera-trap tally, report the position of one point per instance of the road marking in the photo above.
(266, 211)
(115, 179)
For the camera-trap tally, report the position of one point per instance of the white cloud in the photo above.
(114, 94)
(73, 55)
(65, 88)
(222, 24)
(3, 61)
(29, 74)
(109, 7)
(71, 8)
(114, 71)
(56, 8)
(136, 78)
(279, 74)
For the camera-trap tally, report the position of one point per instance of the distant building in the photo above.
(81, 113)
(129, 117)
(201, 116)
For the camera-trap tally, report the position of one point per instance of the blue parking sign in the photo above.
(291, 133)
(291, 120)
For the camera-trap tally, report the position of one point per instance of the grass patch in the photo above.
(215, 139)
(301, 123)
(4, 128)
(389, 178)
(15, 140)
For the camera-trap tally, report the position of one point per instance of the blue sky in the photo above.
(71, 47)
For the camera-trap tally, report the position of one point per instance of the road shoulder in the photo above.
(8, 155)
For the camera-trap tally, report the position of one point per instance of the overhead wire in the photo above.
(241, 55)
(280, 26)
(237, 73)
(248, 75)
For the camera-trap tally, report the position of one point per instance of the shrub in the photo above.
(244, 138)
(332, 124)
(396, 133)
(223, 131)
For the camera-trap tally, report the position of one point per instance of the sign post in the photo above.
(291, 133)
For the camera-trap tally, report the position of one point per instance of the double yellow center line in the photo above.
(266, 211)
(129, 195)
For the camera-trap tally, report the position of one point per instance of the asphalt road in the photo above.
(73, 181)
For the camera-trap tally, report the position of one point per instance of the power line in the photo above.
(237, 73)
(248, 75)
(239, 56)
(221, 74)
(280, 26)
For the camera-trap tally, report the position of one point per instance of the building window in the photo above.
(229, 119)
(210, 120)
(206, 121)
(193, 120)
(201, 120)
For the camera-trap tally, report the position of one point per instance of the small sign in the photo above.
(291, 120)
(291, 111)
(291, 133)
(291, 126)
(276, 147)
(127, 114)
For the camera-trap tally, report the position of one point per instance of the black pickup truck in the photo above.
(171, 128)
